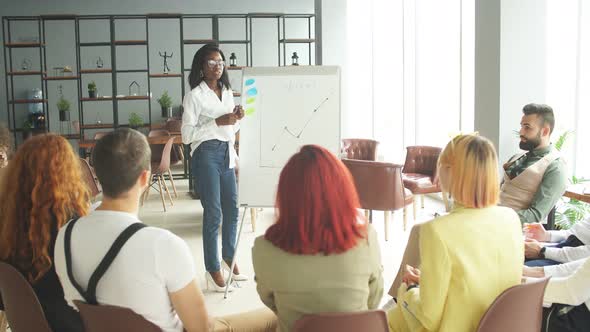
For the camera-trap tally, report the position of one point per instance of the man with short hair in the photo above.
(534, 181)
(153, 272)
(148, 269)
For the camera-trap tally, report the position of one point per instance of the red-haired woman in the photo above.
(42, 190)
(320, 255)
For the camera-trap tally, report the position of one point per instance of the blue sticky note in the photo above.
(250, 81)
(252, 92)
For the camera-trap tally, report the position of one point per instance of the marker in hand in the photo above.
(239, 112)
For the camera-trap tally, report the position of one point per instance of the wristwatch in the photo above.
(542, 252)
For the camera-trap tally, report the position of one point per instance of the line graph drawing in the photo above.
(286, 129)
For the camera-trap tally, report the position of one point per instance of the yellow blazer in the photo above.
(468, 258)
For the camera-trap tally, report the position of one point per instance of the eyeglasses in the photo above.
(213, 63)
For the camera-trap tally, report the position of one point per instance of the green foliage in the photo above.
(562, 139)
(63, 104)
(165, 100)
(92, 86)
(27, 125)
(570, 211)
(135, 120)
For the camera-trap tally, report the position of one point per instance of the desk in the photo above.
(160, 140)
(581, 192)
(90, 143)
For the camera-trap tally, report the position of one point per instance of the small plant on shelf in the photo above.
(135, 120)
(63, 105)
(166, 103)
(27, 128)
(92, 89)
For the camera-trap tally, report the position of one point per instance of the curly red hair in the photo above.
(316, 205)
(42, 190)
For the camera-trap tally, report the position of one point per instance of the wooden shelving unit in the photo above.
(23, 44)
(97, 126)
(60, 78)
(96, 99)
(96, 71)
(164, 75)
(130, 42)
(25, 72)
(27, 101)
(117, 44)
(133, 98)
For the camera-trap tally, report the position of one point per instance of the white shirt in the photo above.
(201, 108)
(571, 290)
(569, 254)
(563, 270)
(152, 264)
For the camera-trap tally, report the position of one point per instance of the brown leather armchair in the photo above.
(379, 187)
(359, 148)
(420, 173)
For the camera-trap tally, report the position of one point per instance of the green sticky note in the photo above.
(250, 100)
(249, 111)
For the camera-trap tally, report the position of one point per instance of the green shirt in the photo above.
(294, 285)
(551, 188)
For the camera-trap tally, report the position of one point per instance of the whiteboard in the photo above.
(286, 108)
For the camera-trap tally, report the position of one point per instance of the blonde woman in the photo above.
(469, 256)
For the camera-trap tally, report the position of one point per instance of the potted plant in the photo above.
(27, 127)
(92, 90)
(166, 103)
(64, 109)
(135, 121)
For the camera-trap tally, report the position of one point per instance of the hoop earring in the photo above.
(201, 73)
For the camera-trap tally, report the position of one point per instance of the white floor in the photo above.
(185, 219)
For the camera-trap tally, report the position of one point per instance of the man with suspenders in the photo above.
(110, 257)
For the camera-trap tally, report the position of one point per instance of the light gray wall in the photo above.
(510, 63)
(164, 35)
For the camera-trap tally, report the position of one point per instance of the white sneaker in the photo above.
(235, 277)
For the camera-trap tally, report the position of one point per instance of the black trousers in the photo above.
(565, 318)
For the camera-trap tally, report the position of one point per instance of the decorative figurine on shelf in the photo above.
(99, 63)
(136, 93)
(25, 64)
(295, 59)
(67, 71)
(166, 56)
(233, 60)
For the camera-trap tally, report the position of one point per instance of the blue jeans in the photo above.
(217, 187)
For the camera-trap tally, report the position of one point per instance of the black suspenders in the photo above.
(90, 294)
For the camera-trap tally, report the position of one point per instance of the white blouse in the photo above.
(201, 108)
(571, 290)
(569, 254)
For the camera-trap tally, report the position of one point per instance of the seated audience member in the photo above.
(454, 286)
(43, 189)
(568, 293)
(153, 273)
(534, 181)
(572, 244)
(320, 255)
